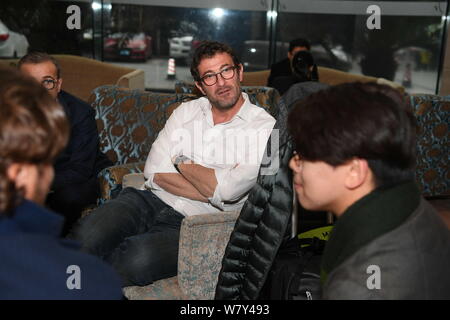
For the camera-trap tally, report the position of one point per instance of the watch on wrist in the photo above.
(178, 160)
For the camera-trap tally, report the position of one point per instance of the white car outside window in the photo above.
(179, 47)
(12, 44)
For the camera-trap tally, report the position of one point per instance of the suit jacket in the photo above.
(37, 264)
(279, 69)
(82, 158)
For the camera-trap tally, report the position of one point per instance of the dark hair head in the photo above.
(299, 42)
(301, 65)
(208, 49)
(33, 129)
(39, 57)
(363, 120)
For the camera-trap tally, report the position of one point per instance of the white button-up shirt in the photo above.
(234, 149)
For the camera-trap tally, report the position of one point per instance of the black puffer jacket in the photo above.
(264, 222)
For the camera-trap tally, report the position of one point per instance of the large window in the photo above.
(149, 35)
(406, 47)
(41, 26)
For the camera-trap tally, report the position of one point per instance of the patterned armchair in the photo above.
(203, 239)
(433, 150)
(128, 122)
(433, 143)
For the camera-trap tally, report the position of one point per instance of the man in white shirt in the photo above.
(205, 160)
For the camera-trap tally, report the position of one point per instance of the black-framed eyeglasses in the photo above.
(49, 84)
(211, 78)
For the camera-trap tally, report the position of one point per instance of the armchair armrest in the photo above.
(133, 80)
(111, 179)
(203, 239)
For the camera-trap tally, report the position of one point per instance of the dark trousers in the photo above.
(70, 200)
(136, 233)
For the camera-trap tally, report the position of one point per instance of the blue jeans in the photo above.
(136, 233)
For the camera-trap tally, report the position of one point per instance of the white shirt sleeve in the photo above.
(163, 149)
(235, 182)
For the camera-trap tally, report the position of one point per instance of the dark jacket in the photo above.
(279, 69)
(82, 158)
(282, 84)
(392, 234)
(35, 261)
(265, 219)
(301, 90)
(263, 222)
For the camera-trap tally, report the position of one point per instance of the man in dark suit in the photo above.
(283, 68)
(75, 185)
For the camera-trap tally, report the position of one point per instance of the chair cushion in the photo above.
(135, 180)
(110, 179)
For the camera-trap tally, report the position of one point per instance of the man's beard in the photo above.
(227, 102)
